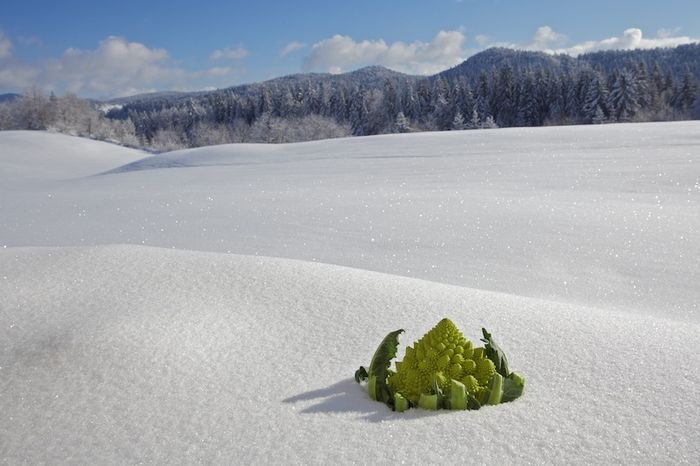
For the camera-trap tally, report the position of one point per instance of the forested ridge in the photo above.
(495, 88)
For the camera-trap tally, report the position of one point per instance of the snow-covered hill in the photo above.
(604, 216)
(576, 247)
(126, 354)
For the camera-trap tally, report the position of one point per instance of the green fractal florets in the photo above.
(442, 370)
(442, 354)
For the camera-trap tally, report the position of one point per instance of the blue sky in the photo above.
(103, 49)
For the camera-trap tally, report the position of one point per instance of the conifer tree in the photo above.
(401, 123)
(595, 105)
(458, 122)
(623, 99)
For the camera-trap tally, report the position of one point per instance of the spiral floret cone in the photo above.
(442, 354)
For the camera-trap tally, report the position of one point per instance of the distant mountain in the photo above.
(674, 60)
(174, 95)
(367, 77)
(4, 98)
(519, 60)
(671, 60)
(521, 88)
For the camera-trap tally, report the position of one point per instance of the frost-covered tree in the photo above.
(489, 123)
(483, 97)
(34, 110)
(474, 121)
(527, 103)
(642, 87)
(358, 113)
(685, 96)
(458, 122)
(623, 98)
(505, 96)
(595, 106)
(401, 124)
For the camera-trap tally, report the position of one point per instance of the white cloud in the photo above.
(5, 46)
(483, 40)
(219, 71)
(16, 76)
(341, 53)
(291, 47)
(663, 33)
(545, 37)
(116, 67)
(231, 53)
(631, 39)
(547, 40)
(543, 40)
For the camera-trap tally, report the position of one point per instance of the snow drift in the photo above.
(198, 350)
(120, 354)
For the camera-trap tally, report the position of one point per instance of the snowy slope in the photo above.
(604, 216)
(126, 354)
(116, 353)
(31, 156)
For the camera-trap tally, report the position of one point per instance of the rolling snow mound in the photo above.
(34, 155)
(128, 354)
(602, 216)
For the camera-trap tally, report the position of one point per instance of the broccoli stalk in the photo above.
(458, 395)
(428, 401)
(496, 388)
(400, 403)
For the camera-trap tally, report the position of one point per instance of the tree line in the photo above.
(518, 91)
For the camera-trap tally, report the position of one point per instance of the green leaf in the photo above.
(513, 387)
(436, 390)
(361, 374)
(379, 367)
(472, 402)
(495, 354)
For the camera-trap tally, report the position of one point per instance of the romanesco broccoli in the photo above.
(444, 370)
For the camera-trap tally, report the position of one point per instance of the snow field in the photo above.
(602, 216)
(116, 354)
(140, 322)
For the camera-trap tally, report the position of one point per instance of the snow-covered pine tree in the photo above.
(656, 89)
(599, 117)
(489, 123)
(464, 97)
(401, 125)
(483, 98)
(623, 99)
(527, 104)
(458, 122)
(642, 87)
(474, 122)
(391, 103)
(685, 97)
(505, 96)
(557, 113)
(544, 96)
(443, 105)
(358, 113)
(595, 107)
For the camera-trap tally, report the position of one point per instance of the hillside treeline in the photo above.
(515, 89)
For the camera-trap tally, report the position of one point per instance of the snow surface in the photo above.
(117, 353)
